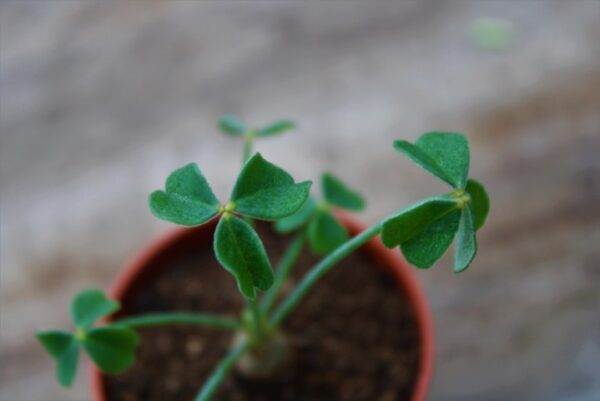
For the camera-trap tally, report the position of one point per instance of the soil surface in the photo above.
(353, 339)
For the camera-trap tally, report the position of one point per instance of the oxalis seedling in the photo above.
(263, 191)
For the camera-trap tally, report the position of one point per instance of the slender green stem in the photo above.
(288, 260)
(258, 320)
(179, 318)
(222, 369)
(319, 270)
(248, 139)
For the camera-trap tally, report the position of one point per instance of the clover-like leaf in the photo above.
(265, 191)
(325, 233)
(337, 193)
(232, 125)
(424, 249)
(64, 348)
(443, 154)
(298, 219)
(111, 348)
(276, 128)
(480, 202)
(413, 220)
(241, 252)
(187, 200)
(89, 306)
(466, 242)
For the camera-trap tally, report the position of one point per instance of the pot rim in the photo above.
(405, 278)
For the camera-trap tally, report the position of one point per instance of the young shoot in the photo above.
(318, 223)
(234, 126)
(263, 191)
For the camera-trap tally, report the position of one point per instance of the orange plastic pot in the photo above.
(165, 247)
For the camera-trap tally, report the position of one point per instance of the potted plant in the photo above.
(339, 317)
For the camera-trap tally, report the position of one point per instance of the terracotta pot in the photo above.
(135, 273)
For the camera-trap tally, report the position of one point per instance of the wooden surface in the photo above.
(100, 100)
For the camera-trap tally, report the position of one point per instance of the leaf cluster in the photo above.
(110, 347)
(325, 232)
(234, 126)
(262, 191)
(425, 231)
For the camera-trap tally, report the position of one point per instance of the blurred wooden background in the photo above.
(100, 100)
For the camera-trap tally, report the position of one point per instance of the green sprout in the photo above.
(263, 191)
(325, 232)
(315, 222)
(233, 126)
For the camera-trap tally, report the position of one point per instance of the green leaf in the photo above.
(64, 348)
(480, 202)
(427, 247)
(232, 125)
(466, 243)
(325, 233)
(241, 252)
(188, 199)
(111, 348)
(54, 341)
(276, 128)
(265, 191)
(413, 220)
(443, 154)
(89, 306)
(337, 193)
(298, 219)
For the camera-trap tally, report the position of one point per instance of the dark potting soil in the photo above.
(354, 338)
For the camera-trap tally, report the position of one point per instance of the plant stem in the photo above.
(288, 260)
(248, 139)
(319, 270)
(222, 369)
(258, 321)
(179, 318)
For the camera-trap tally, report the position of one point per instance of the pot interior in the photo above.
(354, 338)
